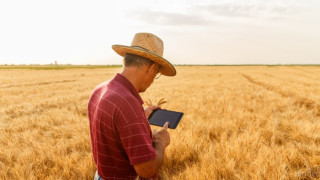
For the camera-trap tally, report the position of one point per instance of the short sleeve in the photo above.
(135, 136)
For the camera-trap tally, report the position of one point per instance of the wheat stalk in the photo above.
(160, 102)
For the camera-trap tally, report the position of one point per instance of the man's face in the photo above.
(151, 74)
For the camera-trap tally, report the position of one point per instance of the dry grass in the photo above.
(239, 123)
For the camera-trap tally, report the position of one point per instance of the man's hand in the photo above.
(148, 110)
(161, 141)
(161, 138)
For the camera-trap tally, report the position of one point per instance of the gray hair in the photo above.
(131, 60)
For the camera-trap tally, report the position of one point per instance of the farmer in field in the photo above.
(123, 145)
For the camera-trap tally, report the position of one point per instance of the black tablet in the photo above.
(159, 117)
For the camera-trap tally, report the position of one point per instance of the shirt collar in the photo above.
(128, 85)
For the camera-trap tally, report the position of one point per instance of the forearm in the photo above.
(149, 168)
(160, 155)
(161, 140)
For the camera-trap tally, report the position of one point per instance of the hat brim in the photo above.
(167, 68)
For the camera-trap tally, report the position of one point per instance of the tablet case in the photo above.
(159, 117)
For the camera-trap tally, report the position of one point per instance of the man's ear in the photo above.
(150, 67)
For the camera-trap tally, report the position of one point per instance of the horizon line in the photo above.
(279, 64)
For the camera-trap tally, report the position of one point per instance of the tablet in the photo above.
(159, 117)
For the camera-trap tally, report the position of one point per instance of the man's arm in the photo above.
(161, 140)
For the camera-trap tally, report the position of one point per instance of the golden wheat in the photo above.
(159, 103)
(254, 122)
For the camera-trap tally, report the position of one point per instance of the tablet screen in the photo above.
(159, 117)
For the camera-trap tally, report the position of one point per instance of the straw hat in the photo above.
(148, 46)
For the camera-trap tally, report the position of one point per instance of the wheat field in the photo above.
(240, 122)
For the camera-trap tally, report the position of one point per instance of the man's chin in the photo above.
(142, 90)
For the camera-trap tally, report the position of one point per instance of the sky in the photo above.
(193, 31)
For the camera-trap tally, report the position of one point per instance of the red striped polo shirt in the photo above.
(120, 132)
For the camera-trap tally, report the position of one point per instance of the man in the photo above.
(123, 145)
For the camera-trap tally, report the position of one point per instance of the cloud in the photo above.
(213, 13)
(170, 18)
(226, 10)
(245, 10)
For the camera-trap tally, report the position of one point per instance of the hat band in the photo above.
(141, 48)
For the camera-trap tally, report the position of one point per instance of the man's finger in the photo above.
(155, 107)
(165, 126)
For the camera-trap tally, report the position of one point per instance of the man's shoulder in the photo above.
(115, 92)
(100, 86)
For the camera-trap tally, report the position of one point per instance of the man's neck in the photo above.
(132, 74)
